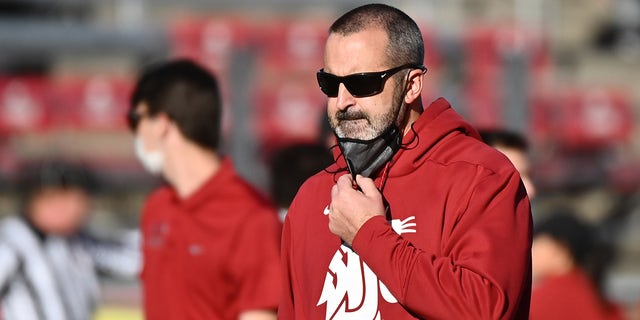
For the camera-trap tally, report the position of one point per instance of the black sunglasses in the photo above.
(359, 84)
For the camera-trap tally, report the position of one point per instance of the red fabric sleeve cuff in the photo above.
(369, 231)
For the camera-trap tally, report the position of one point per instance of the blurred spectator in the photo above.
(47, 262)
(291, 166)
(621, 34)
(210, 241)
(514, 146)
(562, 287)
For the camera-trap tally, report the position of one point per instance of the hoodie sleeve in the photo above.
(484, 271)
(285, 308)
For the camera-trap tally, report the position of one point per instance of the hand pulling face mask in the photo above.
(366, 157)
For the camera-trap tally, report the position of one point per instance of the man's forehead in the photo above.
(62, 190)
(361, 51)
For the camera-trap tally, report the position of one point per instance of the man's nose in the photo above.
(344, 98)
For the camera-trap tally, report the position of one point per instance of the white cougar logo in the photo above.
(351, 288)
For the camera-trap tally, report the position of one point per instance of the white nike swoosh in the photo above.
(195, 249)
(326, 211)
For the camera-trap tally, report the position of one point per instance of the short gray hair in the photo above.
(405, 39)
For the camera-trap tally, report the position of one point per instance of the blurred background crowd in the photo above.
(565, 74)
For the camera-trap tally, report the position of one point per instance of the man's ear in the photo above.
(414, 86)
(164, 123)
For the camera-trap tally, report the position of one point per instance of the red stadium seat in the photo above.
(484, 108)
(288, 113)
(97, 102)
(486, 46)
(294, 45)
(210, 41)
(541, 117)
(487, 50)
(593, 118)
(24, 104)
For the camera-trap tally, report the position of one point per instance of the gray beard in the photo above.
(342, 122)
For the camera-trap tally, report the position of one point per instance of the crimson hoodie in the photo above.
(457, 246)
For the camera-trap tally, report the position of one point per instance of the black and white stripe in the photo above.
(51, 279)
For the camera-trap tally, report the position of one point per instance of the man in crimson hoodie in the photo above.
(417, 217)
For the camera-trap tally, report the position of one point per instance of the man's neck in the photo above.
(414, 114)
(189, 168)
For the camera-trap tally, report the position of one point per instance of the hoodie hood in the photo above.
(437, 122)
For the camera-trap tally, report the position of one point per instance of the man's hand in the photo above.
(350, 208)
(257, 315)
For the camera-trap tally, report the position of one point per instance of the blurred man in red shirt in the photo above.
(210, 241)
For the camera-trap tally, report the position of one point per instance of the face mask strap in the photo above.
(413, 143)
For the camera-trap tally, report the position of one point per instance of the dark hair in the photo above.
(188, 94)
(292, 165)
(585, 242)
(505, 138)
(406, 44)
(58, 174)
(565, 227)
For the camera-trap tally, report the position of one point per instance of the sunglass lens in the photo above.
(363, 85)
(328, 84)
(359, 85)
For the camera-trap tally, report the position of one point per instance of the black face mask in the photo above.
(366, 157)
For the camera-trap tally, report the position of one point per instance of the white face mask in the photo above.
(151, 161)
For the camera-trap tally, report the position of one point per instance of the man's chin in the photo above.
(356, 129)
(360, 134)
